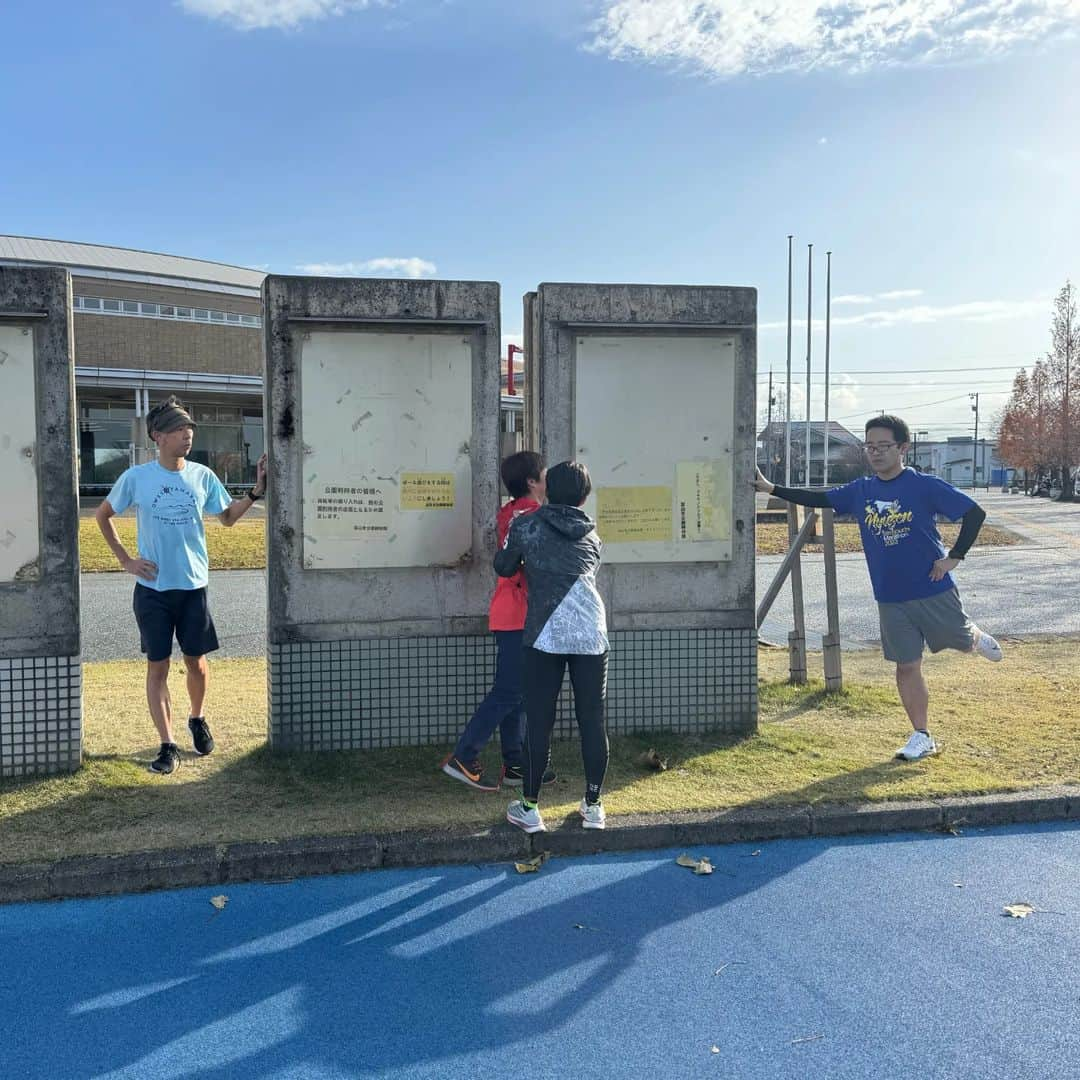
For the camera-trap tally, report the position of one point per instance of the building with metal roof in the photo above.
(147, 325)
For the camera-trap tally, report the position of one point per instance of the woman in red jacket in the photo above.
(503, 707)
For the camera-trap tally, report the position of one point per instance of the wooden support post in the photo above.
(797, 637)
(830, 643)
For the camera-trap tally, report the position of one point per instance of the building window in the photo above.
(144, 310)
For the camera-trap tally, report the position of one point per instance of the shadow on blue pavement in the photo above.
(386, 972)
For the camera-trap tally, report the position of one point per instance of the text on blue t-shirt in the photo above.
(899, 535)
(169, 509)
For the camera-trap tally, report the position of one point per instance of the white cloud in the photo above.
(267, 14)
(973, 311)
(412, 267)
(823, 140)
(725, 38)
(864, 298)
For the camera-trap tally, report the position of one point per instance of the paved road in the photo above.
(878, 958)
(1024, 590)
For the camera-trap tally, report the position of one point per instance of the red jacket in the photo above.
(511, 599)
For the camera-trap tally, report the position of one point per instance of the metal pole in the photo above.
(787, 400)
(975, 446)
(809, 331)
(768, 435)
(828, 318)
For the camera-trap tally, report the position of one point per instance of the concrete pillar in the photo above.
(382, 421)
(653, 387)
(40, 672)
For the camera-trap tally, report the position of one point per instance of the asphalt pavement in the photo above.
(861, 957)
(1025, 590)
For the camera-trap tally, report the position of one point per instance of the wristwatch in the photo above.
(253, 496)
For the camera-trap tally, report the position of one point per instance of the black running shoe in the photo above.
(200, 735)
(168, 758)
(514, 776)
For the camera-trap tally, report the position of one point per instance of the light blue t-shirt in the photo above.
(899, 534)
(169, 513)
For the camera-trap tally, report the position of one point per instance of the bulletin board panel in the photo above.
(386, 422)
(20, 533)
(654, 423)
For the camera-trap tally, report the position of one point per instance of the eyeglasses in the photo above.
(878, 447)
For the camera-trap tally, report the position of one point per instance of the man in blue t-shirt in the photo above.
(170, 496)
(918, 603)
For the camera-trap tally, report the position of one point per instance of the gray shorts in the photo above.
(938, 622)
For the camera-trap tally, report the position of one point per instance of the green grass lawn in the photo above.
(1002, 727)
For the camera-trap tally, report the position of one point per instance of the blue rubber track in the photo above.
(858, 957)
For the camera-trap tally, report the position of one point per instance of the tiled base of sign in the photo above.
(40, 715)
(373, 692)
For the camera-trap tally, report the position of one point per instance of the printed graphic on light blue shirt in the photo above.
(169, 508)
(897, 520)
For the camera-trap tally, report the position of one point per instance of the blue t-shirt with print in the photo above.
(899, 536)
(169, 512)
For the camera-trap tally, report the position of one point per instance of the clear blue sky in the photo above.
(933, 150)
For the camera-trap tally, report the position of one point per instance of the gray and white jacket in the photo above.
(560, 551)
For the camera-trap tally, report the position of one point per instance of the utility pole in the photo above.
(975, 444)
(787, 399)
(1066, 483)
(809, 339)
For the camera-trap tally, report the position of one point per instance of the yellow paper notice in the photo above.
(427, 491)
(703, 498)
(627, 515)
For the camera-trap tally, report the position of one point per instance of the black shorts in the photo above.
(183, 612)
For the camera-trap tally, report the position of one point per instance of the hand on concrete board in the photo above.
(260, 475)
(760, 483)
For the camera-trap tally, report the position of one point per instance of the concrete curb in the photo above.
(107, 875)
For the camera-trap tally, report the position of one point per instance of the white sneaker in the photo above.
(526, 819)
(920, 745)
(592, 815)
(986, 646)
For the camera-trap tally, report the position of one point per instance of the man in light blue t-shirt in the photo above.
(910, 570)
(170, 496)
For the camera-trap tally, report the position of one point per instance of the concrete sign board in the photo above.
(20, 533)
(386, 424)
(654, 420)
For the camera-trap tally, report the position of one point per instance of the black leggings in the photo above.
(543, 681)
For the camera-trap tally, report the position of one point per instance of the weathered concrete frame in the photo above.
(40, 639)
(651, 595)
(334, 605)
(40, 615)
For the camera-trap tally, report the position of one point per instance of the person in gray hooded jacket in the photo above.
(565, 626)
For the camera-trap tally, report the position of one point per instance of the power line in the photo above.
(928, 371)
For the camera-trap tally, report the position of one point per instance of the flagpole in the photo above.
(787, 393)
(809, 332)
(828, 317)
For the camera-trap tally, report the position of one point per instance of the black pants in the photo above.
(543, 681)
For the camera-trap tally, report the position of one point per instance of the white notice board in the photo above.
(20, 533)
(386, 421)
(654, 423)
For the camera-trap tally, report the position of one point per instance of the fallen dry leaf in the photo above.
(219, 902)
(699, 866)
(1019, 910)
(530, 866)
(652, 760)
